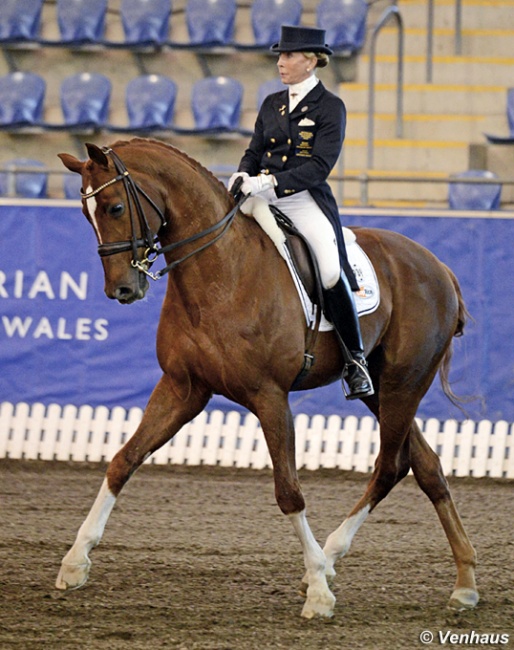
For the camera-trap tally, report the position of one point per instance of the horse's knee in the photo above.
(384, 482)
(289, 498)
(120, 469)
(390, 469)
(385, 477)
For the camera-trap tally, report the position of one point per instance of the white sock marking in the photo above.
(339, 542)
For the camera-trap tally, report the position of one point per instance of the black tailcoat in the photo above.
(300, 149)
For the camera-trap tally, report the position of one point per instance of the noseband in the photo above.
(148, 239)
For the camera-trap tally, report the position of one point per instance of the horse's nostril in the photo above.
(123, 293)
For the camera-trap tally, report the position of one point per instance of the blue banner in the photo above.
(62, 341)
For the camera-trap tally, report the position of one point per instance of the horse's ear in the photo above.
(71, 163)
(97, 155)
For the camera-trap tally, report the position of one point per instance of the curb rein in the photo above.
(149, 238)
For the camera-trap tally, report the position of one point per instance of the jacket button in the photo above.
(288, 140)
(272, 140)
(284, 158)
(268, 153)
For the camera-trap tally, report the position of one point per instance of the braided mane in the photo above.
(194, 164)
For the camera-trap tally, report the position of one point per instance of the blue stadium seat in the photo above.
(72, 184)
(150, 102)
(344, 22)
(145, 22)
(20, 20)
(474, 196)
(22, 95)
(267, 88)
(509, 139)
(85, 99)
(31, 185)
(269, 15)
(80, 21)
(216, 104)
(210, 22)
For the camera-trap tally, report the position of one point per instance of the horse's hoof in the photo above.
(304, 585)
(463, 598)
(319, 606)
(72, 576)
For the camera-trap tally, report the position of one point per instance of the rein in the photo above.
(225, 224)
(148, 239)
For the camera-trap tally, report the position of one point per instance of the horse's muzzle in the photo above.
(127, 293)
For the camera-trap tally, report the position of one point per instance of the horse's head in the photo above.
(124, 216)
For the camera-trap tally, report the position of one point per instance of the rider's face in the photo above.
(294, 67)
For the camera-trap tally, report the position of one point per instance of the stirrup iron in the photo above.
(364, 369)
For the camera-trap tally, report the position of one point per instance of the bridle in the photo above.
(148, 239)
(133, 191)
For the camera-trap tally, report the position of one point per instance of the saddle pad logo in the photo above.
(365, 291)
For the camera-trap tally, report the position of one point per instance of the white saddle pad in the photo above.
(367, 298)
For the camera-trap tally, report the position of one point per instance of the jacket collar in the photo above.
(303, 88)
(280, 106)
(309, 101)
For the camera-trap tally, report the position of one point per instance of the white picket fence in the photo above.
(84, 433)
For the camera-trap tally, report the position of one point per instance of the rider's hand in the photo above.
(256, 184)
(234, 178)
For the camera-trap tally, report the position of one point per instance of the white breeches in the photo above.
(304, 212)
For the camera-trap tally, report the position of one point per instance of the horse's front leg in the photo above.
(278, 427)
(165, 414)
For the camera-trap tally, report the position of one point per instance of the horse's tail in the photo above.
(463, 316)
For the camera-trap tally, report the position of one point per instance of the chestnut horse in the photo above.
(232, 324)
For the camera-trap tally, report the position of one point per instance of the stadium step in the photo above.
(474, 70)
(474, 42)
(445, 127)
(476, 14)
(430, 99)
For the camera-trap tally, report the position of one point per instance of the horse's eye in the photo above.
(116, 210)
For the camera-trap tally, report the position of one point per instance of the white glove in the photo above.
(234, 178)
(256, 184)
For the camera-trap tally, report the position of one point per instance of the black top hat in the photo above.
(301, 39)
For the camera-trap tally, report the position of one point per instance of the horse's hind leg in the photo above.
(163, 417)
(429, 475)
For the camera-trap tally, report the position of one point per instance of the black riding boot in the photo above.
(342, 313)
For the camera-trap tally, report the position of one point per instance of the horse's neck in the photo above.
(197, 200)
(242, 258)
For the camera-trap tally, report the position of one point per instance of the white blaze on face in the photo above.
(91, 208)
